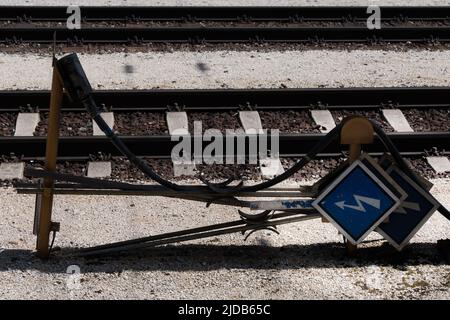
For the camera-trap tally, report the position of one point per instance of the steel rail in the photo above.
(222, 13)
(234, 99)
(160, 147)
(66, 189)
(200, 34)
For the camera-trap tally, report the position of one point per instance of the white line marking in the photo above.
(359, 200)
(408, 205)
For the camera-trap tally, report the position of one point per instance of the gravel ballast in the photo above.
(428, 120)
(71, 124)
(227, 3)
(307, 261)
(230, 69)
(214, 120)
(140, 123)
(7, 123)
(376, 116)
(290, 121)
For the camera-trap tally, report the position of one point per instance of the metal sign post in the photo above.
(45, 225)
(355, 132)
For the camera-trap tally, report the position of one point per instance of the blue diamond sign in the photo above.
(412, 213)
(358, 201)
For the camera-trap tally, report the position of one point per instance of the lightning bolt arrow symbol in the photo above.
(359, 201)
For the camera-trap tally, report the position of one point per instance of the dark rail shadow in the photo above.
(211, 257)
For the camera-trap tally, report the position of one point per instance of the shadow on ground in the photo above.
(212, 257)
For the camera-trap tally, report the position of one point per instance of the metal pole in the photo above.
(355, 132)
(45, 212)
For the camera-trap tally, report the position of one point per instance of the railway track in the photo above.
(236, 99)
(208, 101)
(139, 25)
(160, 146)
(227, 13)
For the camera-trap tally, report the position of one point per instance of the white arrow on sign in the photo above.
(359, 200)
(408, 205)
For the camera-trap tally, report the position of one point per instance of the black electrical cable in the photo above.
(76, 83)
(402, 163)
(53, 241)
(322, 144)
(79, 89)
